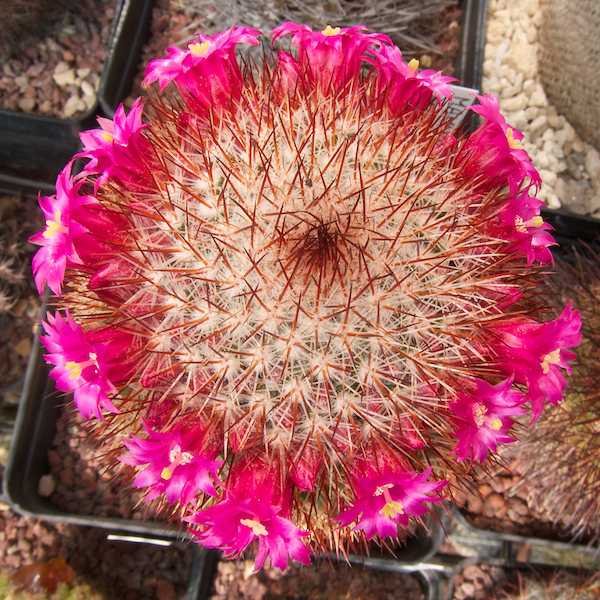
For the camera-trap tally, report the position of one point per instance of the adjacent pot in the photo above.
(34, 148)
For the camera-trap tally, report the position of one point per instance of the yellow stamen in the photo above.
(53, 227)
(166, 474)
(391, 508)
(199, 49)
(496, 424)
(257, 527)
(329, 31)
(107, 136)
(75, 369)
(520, 225)
(550, 359)
(479, 411)
(537, 221)
(413, 65)
(514, 144)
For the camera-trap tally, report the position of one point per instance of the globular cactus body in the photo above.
(302, 302)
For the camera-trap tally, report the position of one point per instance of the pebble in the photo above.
(510, 72)
(40, 78)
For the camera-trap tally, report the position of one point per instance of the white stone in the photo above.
(529, 86)
(569, 132)
(88, 89)
(495, 31)
(61, 67)
(548, 177)
(523, 58)
(553, 202)
(560, 138)
(531, 31)
(46, 485)
(490, 52)
(592, 166)
(560, 167)
(548, 135)
(89, 100)
(538, 98)
(509, 73)
(577, 144)
(517, 120)
(518, 102)
(22, 81)
(489, 68)
(538, 126)
(65, 78)
(595, 203)
(83, 73)
(533, 112)
(27, 104)
(540, 159)
(74, 105)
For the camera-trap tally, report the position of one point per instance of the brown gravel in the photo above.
(478, 582)
(500, 504)
(118, 570)
(169, 21)
(20, 218)
(79, 481)
(322, 581)
(58, 76)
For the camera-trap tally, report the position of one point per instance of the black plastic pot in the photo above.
(494, 544)
(33, 148)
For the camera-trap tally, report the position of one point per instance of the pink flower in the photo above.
(389, 500)
(80, 367)
(255, 507)
(536, 352)
(495, 150)
(402, 82)
(520, 222)
(178, 465)
(117, 150)
(331, 57)
(58, 249)
(207, 73)
(485, 418)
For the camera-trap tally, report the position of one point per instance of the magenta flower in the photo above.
(254, 507)
(58, 250)
(207, 74)
(520, 222)
(79, 366)
(495, 149)
(536, 352)
(117, 149)
(331, 57)
(485, 419)
(385, 502)
(402, 82)
(178, 465)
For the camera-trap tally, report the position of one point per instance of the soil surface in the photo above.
(322, 581)
(500, 504)
(170, 27)
(59, 75)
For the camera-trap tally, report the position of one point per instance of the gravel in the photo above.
(117, 570)
(570, 168)
(322, 581)
(59, 75)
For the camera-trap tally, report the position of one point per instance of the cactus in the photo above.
(293, 303)
(560, 457)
